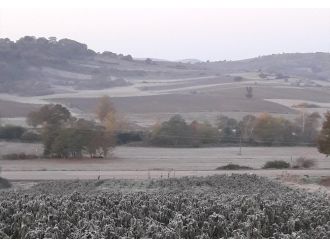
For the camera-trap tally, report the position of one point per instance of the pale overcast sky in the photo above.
(206, 34)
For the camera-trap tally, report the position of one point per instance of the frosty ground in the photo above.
(145, 162)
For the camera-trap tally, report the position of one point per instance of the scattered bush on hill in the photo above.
(276, 164)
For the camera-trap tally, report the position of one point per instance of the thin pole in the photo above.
(303, 122)
(240, 144)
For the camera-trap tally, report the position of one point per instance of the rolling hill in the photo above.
(37, 71)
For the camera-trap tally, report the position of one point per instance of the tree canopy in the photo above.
(65, 136)
(263, 129)
(324, 136)
(53, 115)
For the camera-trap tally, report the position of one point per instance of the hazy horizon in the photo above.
(173, 34)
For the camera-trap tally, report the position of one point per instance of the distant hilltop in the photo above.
(190, 60)
(64, 48)
(39, 66)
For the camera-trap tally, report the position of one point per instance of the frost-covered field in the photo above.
(152, 158)
(144, 162)
(321, 106)
(236, 206)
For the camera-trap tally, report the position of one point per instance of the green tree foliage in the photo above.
(324, 136)
(64, 136)
(13, 132)
(129, 136)
(247, 125)
(97, 141)
(276, 164)
(228, 128)
(264, 129)
(52, 118)
(204, 133)
(10, 132)
(69, 143)
(308, 126)
(174, 132)
(49, 115)
(274, 130)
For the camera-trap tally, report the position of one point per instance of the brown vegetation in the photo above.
(64, 136)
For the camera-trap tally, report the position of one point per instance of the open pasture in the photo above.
(142, 162)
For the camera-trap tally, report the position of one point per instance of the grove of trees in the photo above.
(176, 132)
(65, 136)
(264, 129)
(18, 133)
(324, 137)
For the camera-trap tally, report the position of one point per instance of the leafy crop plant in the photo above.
(235, 206)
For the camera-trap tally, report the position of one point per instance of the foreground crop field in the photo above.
(236, 206)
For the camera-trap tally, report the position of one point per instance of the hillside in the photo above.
(40, 66)
(307, 65)
(36, 71)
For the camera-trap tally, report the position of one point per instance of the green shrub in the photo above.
(231, 166)
(4, 183)
(238, 78)
(10, 132)
(174, 132)
(19, 156)
(276, 164)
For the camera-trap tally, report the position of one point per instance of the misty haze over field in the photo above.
(164, 123)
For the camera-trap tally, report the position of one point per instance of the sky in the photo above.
(177, 33)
